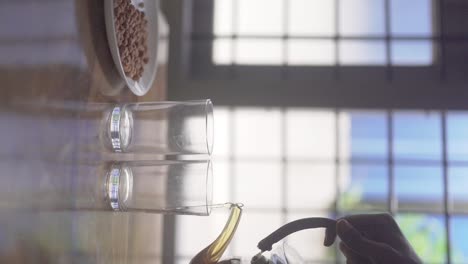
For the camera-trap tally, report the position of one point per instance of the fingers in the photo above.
(375, 251)
(381, 229)
(355, 241)
(373, 223)
(351, 256)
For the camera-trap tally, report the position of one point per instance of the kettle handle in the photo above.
(298, 225)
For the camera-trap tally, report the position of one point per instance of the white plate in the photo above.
(151, 9)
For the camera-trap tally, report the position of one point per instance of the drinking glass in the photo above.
(167, 187)
(171, 187)
(159, 127)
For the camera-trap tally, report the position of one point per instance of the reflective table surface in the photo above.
(54, 54)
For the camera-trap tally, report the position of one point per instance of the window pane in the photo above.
(222, 131)
(222, 51)
(223, 17)
(311, 186)
(260, 17)
(426, 233)
(222, 189)
(254, 227)
(412, 53)
(310, 134)
(193, 233)
(312, 17)
(360, 52)
(458, 235)
(419, 188)
(304, 241)
(363, 135)
(412, 18)
(364, 187)
(362, 17)
(458, 182)
(311, 52)
(457, 135)
(259, 51)
(257, 133)
(417, 135)
(258, 184)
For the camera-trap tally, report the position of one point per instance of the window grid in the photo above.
(388, 48)
(235, 28)
(336, 211)
(232, 159)
(434, 86)
(336, 72)
(285, 50)
(446, 184)
(442, 41)
(391, 202)
(387, 38)
(284, 167)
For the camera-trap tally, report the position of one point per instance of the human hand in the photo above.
(373, 238)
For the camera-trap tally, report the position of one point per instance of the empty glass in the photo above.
(168, 187)
(162, 128)
(172, 187)
(159, 127)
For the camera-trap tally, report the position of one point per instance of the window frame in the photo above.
(370, 87)
(337, 87)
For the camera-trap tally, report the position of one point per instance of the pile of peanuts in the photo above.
(131, 31)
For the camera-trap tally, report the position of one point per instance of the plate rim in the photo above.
(109, 18)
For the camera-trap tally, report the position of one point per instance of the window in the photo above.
(340, 106)
(316, 32)
(303, 162)
(310, 53)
